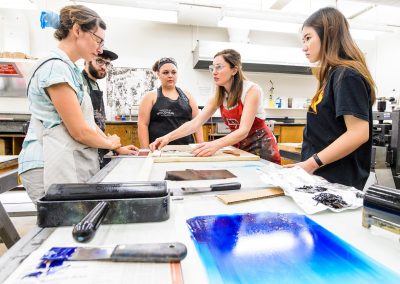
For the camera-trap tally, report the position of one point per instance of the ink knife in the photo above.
(213, 187)
(146, 252)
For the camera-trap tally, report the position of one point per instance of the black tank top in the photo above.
(167, 115)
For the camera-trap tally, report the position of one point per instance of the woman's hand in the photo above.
(205, 149)
(127, 150)
(309, 165)
(115, 141)
(159, 143)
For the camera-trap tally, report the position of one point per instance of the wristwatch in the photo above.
(317, 160)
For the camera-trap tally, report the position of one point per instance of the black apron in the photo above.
(99, 114)
(167, 115)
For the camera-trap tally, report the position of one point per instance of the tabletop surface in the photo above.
(380, 245)
(6, 158)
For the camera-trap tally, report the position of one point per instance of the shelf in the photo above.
(284, 108)
(23, 60)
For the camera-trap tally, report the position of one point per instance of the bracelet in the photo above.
(318, 160)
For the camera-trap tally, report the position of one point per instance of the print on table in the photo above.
(269, 247)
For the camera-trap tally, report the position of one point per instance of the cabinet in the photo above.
(289, 133)
(11, 144)
(210, 132)
(284, 133)
(290, 153)
(126, 131)
(207, 130)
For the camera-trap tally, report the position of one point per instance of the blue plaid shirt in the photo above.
(50, 73)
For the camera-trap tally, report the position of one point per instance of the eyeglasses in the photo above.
(101, 62)
(97, 39)
(216, 68)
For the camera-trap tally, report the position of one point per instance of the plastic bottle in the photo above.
(278, 102)
(49, 19)
(271, 102)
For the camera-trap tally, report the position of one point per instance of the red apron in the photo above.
(260, 141)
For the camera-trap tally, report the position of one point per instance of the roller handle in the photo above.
(85, 230)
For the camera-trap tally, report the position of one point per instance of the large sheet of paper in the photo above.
(312, 193)
(269, 247)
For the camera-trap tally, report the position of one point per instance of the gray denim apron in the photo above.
(66, 160)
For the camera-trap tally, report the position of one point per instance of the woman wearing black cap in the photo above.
(165, 109)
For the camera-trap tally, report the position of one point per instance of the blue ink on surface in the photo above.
(41, 265)
(59, 253)
(279, 248)
(52, 262)
(35, 274)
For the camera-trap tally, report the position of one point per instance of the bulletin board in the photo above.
(126, 86)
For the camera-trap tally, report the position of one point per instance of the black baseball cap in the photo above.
(108, 54)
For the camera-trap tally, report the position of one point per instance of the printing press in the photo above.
(385, 160)
(382, 200)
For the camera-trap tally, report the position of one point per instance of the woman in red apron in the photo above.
(240, 104)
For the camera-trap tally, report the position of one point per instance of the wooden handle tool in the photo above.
(234, 153)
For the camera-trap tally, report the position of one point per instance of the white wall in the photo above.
(139, 44)
(387, 74)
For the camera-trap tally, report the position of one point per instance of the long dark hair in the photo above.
(337, 47)
(233, 58)
(86, 18)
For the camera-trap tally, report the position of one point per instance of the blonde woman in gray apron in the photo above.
(62, 140)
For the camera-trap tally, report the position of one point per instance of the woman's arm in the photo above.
(186, 128)
(144, 118)
(123, 150)
(195, 112)
(67, 105)
(250, 106)
(357, 133)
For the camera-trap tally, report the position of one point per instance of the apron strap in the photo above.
(37, 68)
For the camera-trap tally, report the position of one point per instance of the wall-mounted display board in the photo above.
(126, 86)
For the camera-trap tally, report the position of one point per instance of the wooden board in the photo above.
(182, 153)
(8, 161)
(292, 147)
(250, 195)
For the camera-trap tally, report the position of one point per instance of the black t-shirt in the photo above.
(167, 115)
(346, 93)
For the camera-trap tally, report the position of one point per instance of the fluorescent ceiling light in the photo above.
(144, 14)
(259, 25)
(20, 4)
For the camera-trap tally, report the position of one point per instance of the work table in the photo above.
(217, 119)
(284, 131)
(8, 181)
(373, 242)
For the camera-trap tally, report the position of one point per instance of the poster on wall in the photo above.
(126, 86)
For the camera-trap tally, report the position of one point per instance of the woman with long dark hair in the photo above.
(338, 137)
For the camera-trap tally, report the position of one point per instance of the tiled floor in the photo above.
(17, 203)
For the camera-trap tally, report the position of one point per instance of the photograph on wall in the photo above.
(126, 86)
